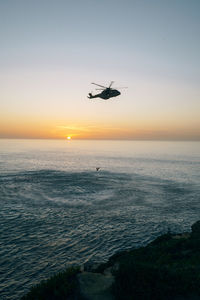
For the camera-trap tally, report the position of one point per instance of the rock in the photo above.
(196, 229)
(179, 236)
(95, 286)
(90, 266)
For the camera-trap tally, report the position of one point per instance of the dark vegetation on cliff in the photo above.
(167, 268)
(63, 285)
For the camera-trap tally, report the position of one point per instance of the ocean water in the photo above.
(57, 210)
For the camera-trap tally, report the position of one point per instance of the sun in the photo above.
(69, 137)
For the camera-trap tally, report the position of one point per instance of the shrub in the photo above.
(63, 285)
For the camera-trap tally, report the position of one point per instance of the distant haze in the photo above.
(51, 51)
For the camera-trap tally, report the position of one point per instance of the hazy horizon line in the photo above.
(102, 139)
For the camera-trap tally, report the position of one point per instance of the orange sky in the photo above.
(19, 127)
(148, 109)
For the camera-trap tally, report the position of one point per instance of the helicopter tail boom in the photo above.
(90, 96)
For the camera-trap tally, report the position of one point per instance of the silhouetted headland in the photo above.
(167, 268)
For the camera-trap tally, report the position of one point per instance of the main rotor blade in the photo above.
(111, 83)
(99, 85)
(100, 89)
(123, 87)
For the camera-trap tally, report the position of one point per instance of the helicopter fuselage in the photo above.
(106, 94)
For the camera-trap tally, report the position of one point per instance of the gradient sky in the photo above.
(52, 50)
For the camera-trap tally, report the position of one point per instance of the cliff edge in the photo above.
(168, 268)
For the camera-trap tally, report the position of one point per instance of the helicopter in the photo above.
(107, 92)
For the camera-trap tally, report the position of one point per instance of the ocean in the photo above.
(56, 210)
